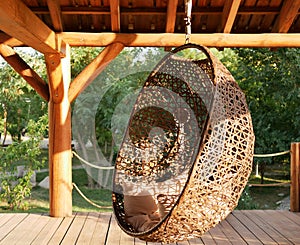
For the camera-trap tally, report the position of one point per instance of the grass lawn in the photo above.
(39, 200)
(260, 197)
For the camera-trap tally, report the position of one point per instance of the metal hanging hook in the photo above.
(188, 23)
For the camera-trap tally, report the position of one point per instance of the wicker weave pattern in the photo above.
(219, 172)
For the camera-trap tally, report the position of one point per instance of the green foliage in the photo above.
(121, 78)
(16, 188)
(246, 201)
(271, 82)
(19, 101)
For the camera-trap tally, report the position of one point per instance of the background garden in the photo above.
(269, 78)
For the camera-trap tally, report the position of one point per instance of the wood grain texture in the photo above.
(18, 21)
(240, 227)
(295, 177)
(175, 40)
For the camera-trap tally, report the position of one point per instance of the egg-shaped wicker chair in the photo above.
(187, 152)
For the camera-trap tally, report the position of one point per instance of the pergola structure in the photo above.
(53, 26)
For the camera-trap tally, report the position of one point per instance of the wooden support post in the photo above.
(60, 160)
(295, 178)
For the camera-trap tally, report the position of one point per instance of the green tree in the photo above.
(19, 102)
(271, 82)
(95, 107)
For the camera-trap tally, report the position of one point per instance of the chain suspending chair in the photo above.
(187, 152)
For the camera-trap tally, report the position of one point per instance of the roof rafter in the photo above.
(171, 15)
(115, 15)
(18, 21)
(21, 67)
(229, 14)
(286, 16)
(10, 41)
(55, 13)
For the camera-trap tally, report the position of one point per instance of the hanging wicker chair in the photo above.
(187, 153)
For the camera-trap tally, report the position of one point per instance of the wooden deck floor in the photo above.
(240, 227)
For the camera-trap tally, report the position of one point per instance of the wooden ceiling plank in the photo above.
(18, 21)
(91, 71)
(269, 40)
(56, 15)
(244, 20)
(25, 71)
(229, 14)
(115, 15)
(160, 11)
(288, 13)
(171, 15)
(202, 3)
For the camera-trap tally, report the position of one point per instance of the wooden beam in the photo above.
(21, 67)
(272, 40)
(228, 16)
(10, 41)
(94, 69)
(288, 13)
(60, 152)
(295, 178)
(115, 15)
(18, 21)
(171, 15)
(55, 13)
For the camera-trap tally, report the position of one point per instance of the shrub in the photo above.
(16, 188)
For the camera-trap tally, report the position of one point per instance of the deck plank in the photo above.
(75, 229)
(195, 241)
(240, 227)
(21, 230)
(139, 242)
(255, 229)
(47, 231)
(32, 231)
(207, 238)
(126, 239)
(257, 219)
(101, 229)
(231, 233)
(10, 225)
(292, 216)
(61, 231)
(182, 243)
(219, 236)
(4, 218)
(282, 224)
(88, 228)
(114, 233)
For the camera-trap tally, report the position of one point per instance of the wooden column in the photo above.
(60, 161)
(295, 178)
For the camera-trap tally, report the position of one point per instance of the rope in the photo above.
(88, 200)
(90, 164)
(272, 154)
(273, 184)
